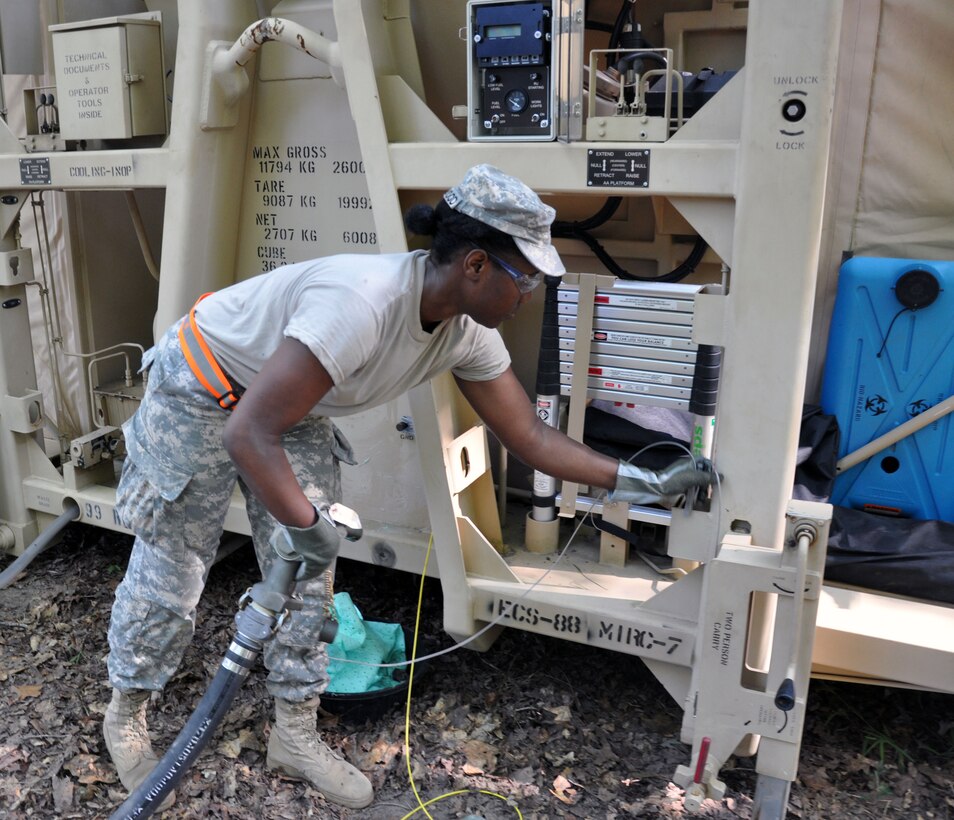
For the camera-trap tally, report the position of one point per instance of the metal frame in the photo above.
(719, 171)
(757, 491)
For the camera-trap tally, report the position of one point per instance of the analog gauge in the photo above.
(516, 101)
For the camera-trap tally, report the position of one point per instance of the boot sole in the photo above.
(297, 774)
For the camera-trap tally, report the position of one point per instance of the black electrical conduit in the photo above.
(621, 18)
(654, 56)
(581, 230)
(70, 513)
(548, 396)
(561, 228)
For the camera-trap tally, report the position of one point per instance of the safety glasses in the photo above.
(525, 281)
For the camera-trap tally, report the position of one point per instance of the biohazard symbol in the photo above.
(877, 405)
(916, 407)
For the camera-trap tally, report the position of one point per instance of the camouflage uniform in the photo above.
(174, 493)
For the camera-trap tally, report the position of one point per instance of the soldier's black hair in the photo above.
(453, 232)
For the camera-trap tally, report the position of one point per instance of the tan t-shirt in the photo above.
(360, 316)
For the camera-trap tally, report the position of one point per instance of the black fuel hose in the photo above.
(193, 738)
(255, 624)
(261, 612)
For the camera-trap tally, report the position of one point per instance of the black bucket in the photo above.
(359, 707)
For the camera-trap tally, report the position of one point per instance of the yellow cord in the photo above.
(410, 684)
(454, 794)
(422, 806)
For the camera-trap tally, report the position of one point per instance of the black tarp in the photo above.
(618, 437)
(898, 555)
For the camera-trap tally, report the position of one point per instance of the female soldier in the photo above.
(245, 388)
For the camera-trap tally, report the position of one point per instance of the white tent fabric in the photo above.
(890, 190)
(905, 205)
(58, 274)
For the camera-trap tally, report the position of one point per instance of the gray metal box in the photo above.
(109, 77)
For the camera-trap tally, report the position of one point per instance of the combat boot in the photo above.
(127, 739)
(296, 749)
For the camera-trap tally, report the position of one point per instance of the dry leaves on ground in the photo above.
(552, 729)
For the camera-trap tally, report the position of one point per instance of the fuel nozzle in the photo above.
(265, 606)
(347, 521)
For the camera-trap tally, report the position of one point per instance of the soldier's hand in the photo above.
(641, 485)
(315, 546)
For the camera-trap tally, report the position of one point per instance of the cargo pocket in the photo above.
(148, 494)
(341, 448)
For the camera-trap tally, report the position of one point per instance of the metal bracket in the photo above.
(754, 645)
(468, 458)
(102, 444)
(23, 414)
(222, 87)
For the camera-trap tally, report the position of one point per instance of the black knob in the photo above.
(785, 697)
(793, 110)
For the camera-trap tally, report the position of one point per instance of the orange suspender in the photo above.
(203, 364)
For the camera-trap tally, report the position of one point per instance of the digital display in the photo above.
(511, 30)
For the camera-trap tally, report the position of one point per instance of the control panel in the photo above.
(510, 71)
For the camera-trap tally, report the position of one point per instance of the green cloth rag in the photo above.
(361, 640)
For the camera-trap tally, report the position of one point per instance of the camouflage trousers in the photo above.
(174, 493)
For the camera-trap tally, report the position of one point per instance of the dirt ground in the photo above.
(554, 729)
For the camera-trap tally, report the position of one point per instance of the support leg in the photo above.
(771, 798)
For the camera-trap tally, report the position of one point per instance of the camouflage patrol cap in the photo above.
(490, 196)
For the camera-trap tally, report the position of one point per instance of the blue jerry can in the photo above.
(891, 357)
